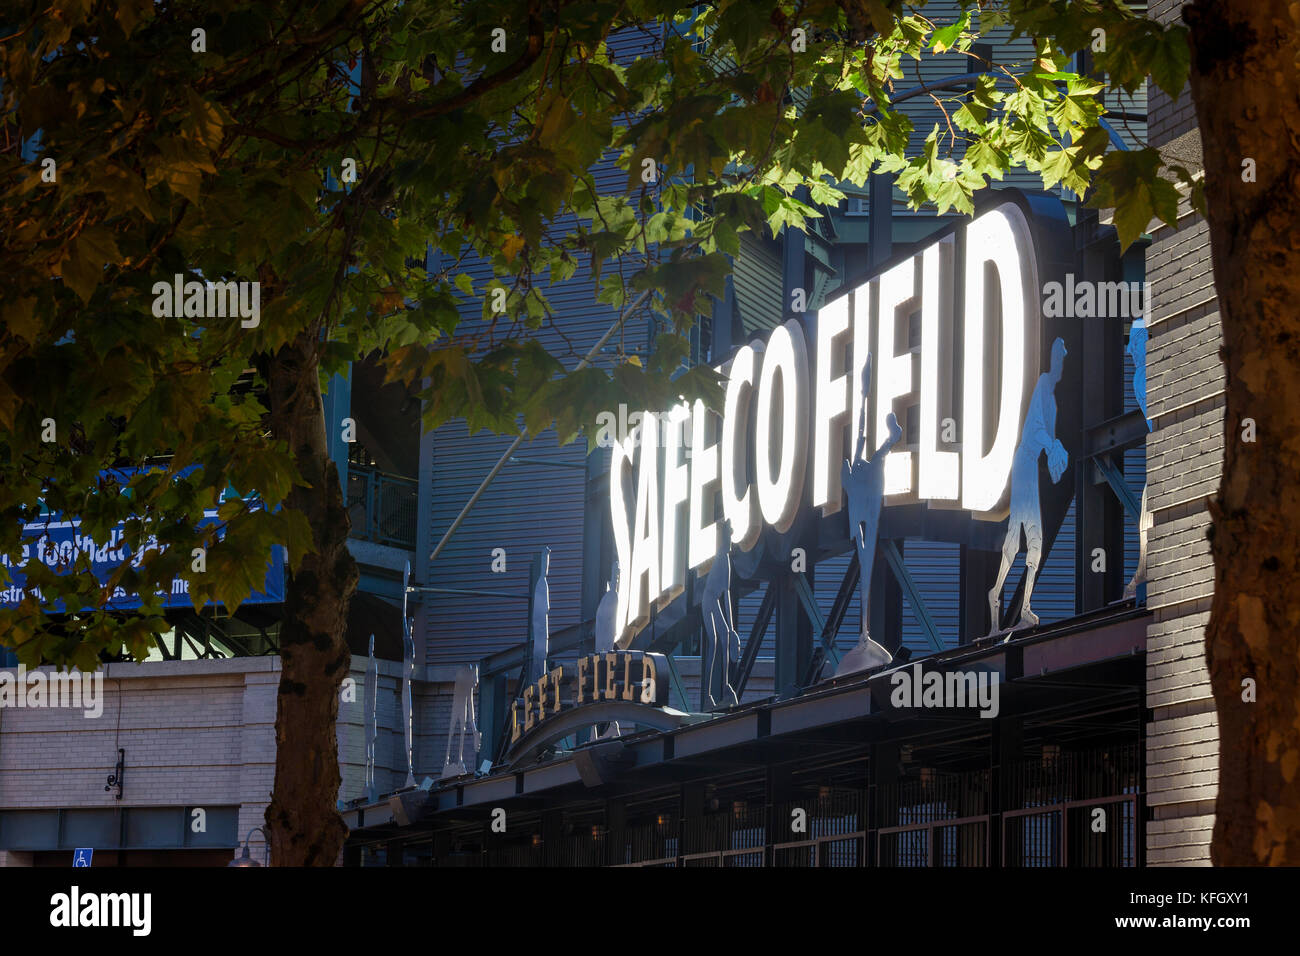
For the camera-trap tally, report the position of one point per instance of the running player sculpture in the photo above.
(462, 720)
(605, 643)
(722, 643)
(1037, 438)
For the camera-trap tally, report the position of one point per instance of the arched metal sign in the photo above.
(578, 719)
(618, 686)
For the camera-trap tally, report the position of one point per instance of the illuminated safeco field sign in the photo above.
(794, 406)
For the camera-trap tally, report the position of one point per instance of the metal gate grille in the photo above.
(1078, 809)
(1073, 809)
(833, 834)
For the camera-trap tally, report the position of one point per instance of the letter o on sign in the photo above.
(781, 439)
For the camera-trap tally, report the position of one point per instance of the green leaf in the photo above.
(824, 193)
(1171, 60)
(1130, 182)
(971, 117)
(945, 37)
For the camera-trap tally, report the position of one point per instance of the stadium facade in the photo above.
(1093, 743)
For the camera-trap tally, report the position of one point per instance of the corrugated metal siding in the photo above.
(756, 277)
(528, 506)
(934, 566)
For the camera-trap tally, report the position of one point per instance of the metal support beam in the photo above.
(189, 642)
(1106, 465)
(793, 256)
(750, 652)
(337, 405)
(503, 743)
(677, 682)
(1006, 741)
(1099, 522)
(727, 330)
(471, 592)
(840, 606)
(1127, 431)
(809, 602)
(793, 636)
(576, 465)
(829, 628)
(885, 770)
(492, 714)
(908, 586)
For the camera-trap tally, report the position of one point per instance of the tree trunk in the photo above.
(1246, 86)
(303, 819)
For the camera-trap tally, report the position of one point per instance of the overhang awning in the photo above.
(851, 709)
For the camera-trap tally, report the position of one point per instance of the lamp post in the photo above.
(244, 859)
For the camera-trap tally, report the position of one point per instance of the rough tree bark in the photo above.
(1246, 84)
(303, 820)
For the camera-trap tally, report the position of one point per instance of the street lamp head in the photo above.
(244, 859)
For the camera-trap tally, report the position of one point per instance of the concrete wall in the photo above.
(1184, 463)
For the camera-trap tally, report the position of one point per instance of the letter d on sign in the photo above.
(999, 261)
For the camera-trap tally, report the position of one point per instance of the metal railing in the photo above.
(383, 508)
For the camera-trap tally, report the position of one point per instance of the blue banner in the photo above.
(59, 543)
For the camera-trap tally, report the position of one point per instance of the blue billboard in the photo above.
(58, 544)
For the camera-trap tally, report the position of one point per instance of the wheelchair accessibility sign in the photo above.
(82, 856)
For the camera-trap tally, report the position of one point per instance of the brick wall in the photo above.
(1184, 463)
(1185, 390)
(1168, 119)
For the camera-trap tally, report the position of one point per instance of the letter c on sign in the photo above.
(738, 504)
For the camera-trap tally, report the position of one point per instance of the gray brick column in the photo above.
(1185, 388)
